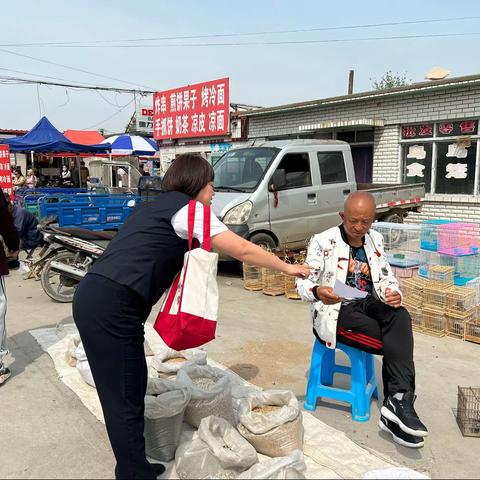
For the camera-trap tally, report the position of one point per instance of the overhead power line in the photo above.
(48, 62)
(96, 43)
(17, 80)
(285, 42)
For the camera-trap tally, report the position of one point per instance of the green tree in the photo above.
(390, 80)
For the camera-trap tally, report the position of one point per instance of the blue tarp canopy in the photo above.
(45, 138)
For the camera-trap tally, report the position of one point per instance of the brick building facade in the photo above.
(422, 133)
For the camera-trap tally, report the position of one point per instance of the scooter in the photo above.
(66, 257)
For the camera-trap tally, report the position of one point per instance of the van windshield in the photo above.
(241, 170)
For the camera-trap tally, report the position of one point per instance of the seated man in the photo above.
(354, 255)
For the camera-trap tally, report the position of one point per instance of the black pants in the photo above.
(374, 327)
(110, 319)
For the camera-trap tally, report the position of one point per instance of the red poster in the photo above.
(200, 110)
(6, 170)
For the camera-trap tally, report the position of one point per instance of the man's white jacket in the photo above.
(329, 254)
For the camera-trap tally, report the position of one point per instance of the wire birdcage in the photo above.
(290, 281)
(455, 322)
(462, 299)
(472, 331)
(273, 281)
(434, 321)
(475, 284)
(416, 315)
(412, 290)
(429, 234)
(441, 275)
(401, 243)
(436, 297)
(468, 411)
(252, 277)
(459, 238)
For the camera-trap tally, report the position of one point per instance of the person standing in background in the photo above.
(19, 180)
(10, 238)
(31, 180)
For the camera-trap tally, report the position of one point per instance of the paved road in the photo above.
(48, 433)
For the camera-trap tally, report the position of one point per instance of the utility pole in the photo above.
(350, 82)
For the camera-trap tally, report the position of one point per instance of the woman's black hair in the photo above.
(189, 173)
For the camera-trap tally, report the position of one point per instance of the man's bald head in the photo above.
(360, 201)
(358, 215)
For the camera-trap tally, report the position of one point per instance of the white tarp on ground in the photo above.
(329, 453)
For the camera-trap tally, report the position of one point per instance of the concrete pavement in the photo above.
(48, 433)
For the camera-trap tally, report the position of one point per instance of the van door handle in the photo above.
(346, 191)
(312, 195)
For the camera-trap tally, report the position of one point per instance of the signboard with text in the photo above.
(199, 110)
(144, 119)
(6, 170)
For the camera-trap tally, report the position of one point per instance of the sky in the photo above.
(260, 74)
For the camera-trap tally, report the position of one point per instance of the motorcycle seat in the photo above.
(86, 234)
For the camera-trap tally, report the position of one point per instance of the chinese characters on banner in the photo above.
(417, 131)
(5, 170)
(444, 129)
(465, 127)
(200, 110)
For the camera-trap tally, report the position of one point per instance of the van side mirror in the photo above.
(278, 180)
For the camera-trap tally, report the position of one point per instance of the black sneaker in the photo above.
(398, 435)
(5, 374)
(158, 469)
(403, 414)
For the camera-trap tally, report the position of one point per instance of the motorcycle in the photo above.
(65, 258)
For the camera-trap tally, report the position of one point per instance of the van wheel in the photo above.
(393, 218)
(395, 237)
(263, 240)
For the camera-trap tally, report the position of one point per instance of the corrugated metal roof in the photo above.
(9, 131)
(454, 82)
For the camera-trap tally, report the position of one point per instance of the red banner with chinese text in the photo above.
(199, 110)
(6, 170)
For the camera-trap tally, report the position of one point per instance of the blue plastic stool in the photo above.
(362, 371)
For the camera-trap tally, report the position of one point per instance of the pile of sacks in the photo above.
(231, 431)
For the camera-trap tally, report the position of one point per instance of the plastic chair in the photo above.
(363, 380)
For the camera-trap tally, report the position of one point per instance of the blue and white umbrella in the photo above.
(132, 145)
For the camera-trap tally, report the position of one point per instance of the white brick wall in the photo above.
(386, 158)
(447, 104)
(456, 207)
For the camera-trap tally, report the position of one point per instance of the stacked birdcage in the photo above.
(441, 276)
(402, 246)
(412, 290)
(459, 239)
(435, 298)
(461, 308)
(290, 281)
(429, 234)
(450, 244)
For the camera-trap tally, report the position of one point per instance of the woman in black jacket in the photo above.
(113, 301)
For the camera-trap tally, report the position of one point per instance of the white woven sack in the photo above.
(280, 468)
(216, 451)
(259, 423)
(166, 368)
(163, 420)
(216, 399)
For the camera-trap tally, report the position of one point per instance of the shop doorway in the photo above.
(363, 163)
